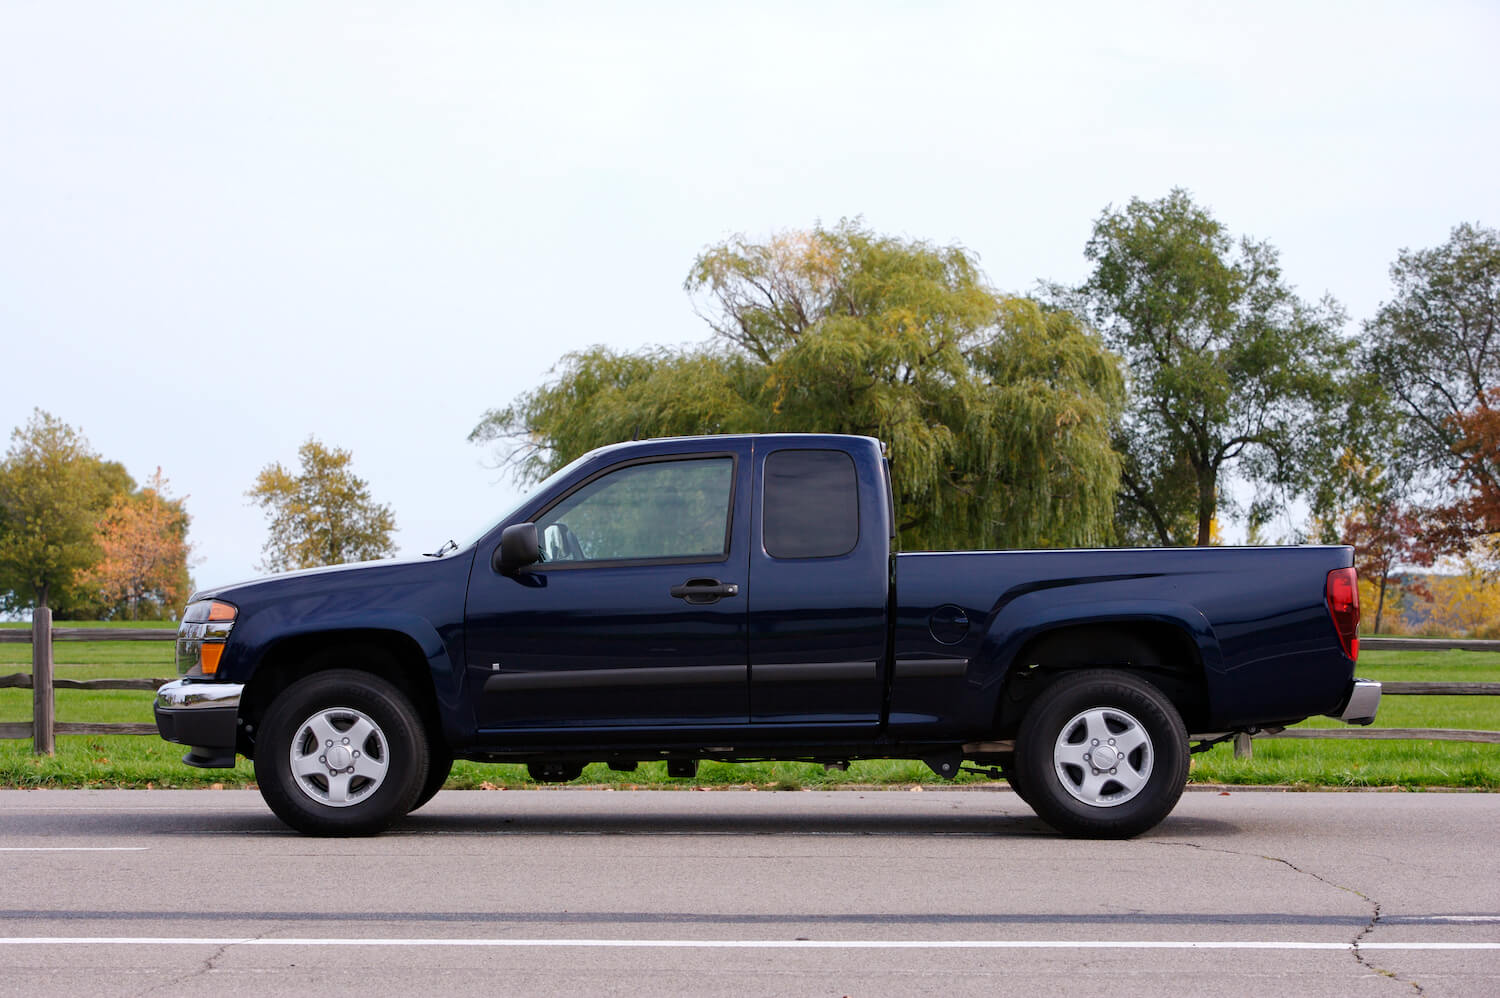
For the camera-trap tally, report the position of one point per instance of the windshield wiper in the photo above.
(450, 546)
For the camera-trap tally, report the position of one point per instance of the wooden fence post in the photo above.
(43, 700)
(1242, 746)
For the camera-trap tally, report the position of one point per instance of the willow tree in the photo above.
(997, 411)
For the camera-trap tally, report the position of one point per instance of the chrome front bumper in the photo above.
(1364, 701)
(204, 716)
(183, 695)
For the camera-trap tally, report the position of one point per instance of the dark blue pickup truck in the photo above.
(737, 598)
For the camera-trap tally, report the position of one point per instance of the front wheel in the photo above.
(440, 764)
(341, 752)
(1102, 755)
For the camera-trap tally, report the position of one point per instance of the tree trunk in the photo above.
(1380, 603)
(1207, 493)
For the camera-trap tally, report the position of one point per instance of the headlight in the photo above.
(200, 640)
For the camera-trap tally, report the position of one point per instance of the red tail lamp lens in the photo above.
(1342, 594)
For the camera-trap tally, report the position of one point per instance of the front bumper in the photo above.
(1363, 702)
(203, 716)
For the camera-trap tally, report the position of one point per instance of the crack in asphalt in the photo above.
(206, 966)
(1359, 955)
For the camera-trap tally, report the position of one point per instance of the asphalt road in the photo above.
(574, 892)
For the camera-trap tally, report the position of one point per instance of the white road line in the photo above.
(74, 848)
(1092, 944)
(1478, 919)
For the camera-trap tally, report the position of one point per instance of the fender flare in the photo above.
(445, 676)
(1033, 615)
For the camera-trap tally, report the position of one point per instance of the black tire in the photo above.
(439, 765)
(376, 757)
(1139, 732)
(1012, 777)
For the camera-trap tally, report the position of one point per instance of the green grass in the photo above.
(1325, 762)
(152, 658)
(134, 761)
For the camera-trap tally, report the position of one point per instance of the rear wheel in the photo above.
(1102, 754)
(1012, 777)
(341, 752)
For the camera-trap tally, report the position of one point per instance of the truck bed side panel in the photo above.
(1256, 617)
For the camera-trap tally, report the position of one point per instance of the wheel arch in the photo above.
(1161, 651)
(390, 654)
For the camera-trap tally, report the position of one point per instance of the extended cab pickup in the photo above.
(739, 597)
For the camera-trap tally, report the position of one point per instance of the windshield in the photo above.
(544, 484)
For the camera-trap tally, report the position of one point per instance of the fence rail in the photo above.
(23, 681)
(44, 725)
(1427, 644)
(15, 635)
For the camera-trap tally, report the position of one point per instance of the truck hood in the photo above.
(267, 582)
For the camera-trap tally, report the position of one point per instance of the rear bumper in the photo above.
(1363, 702)
(203, 716)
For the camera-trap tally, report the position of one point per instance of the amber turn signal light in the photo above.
(209, 656)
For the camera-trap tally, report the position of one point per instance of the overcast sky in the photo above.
(225, 227)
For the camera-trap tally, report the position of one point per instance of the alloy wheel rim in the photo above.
(339, 757)
(1103, 757)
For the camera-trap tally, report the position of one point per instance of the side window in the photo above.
(811, 504)
(665, 509)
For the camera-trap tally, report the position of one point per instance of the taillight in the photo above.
(1342, 594)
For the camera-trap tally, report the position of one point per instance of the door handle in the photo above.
(701, 591)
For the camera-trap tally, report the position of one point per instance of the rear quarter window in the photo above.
(811, 505)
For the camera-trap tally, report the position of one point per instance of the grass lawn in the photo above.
(1378, 764)
(150, 658)
(135, 761)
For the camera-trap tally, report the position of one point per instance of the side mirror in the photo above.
(518, 548)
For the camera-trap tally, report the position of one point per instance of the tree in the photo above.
(1477, 448)
(143, 540)
(997, 411)
(1386, 536)
(1466, 604)
(1436, 349)
(322, 516)
(1231, 373)
(53, 490)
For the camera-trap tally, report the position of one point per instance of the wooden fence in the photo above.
(45, 726)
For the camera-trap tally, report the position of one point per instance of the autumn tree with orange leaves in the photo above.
(1478, 453)
(1385, 536)
(144, 562)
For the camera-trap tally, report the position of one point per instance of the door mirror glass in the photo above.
(560, 544)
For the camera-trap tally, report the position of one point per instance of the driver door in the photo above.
(637, 614)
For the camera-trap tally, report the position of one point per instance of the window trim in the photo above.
(573, 566)
(858, 503)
